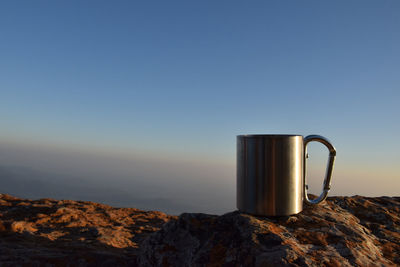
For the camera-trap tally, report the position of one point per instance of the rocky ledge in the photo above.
(342, 231)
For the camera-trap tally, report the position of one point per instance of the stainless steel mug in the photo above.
(271, 170)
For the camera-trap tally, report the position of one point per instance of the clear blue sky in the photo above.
(182, 78)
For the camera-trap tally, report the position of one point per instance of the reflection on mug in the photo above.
(271, 173)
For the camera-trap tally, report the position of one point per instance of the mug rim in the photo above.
(269, 135)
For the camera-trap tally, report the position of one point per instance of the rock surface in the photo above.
(50, 232)
(343, 231)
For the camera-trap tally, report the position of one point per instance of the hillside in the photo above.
(343, 231)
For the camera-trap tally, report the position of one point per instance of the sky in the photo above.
(147, 97)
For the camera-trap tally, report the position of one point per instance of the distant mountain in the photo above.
(27, 182)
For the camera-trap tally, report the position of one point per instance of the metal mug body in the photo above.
(271, 173)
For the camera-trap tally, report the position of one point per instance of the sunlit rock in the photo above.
(343, 231)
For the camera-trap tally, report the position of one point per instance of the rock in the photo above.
(65, 232)
(21, 227)
(342, 231)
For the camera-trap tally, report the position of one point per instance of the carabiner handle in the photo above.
(329, 168)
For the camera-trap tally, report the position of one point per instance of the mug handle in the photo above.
(329, 168)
